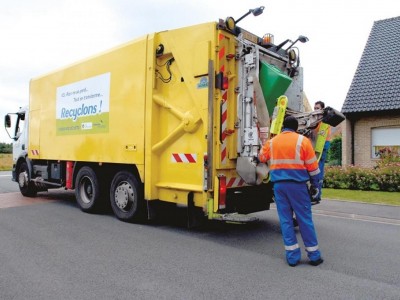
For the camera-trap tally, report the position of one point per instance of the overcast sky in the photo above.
(43, 35)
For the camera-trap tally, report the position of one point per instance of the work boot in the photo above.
(316, 262)
(293, 264)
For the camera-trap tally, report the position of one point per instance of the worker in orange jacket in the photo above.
(292, 163)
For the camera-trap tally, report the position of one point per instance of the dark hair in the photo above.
(290, 122)
(322, 104)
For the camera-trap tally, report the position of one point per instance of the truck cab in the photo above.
(16, 125)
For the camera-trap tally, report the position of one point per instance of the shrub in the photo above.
(384, 177)
(388, 157)
(335, 152)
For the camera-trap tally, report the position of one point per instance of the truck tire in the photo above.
(27, 188)
(126, 197)
(87, 190)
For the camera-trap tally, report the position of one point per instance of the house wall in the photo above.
(346, 143)
(362, 139)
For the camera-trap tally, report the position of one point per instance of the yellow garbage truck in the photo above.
(172, 117)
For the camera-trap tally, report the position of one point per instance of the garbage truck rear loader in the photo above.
(174, 117)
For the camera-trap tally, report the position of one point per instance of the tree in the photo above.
(335, 152)
(5, 148)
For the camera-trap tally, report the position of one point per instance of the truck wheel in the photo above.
(126, 197)
(27, 188)
(87, 190)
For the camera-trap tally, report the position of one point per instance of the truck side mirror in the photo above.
(7, 121)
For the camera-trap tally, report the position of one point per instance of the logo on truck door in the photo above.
(203, 83)
(83, 107)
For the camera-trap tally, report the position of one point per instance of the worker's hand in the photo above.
(256, 160)
(315, 194)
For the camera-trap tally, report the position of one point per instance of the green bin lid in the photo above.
(274, 84)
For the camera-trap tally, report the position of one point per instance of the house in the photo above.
(372, 104)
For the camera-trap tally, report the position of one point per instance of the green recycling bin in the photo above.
(274, 84)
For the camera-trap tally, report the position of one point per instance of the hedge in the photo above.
(385, 177)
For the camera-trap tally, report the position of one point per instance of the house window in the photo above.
(385, 140)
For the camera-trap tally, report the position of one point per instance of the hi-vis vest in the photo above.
(323, 135)
(290, 157)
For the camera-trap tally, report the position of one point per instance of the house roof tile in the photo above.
(376, 83)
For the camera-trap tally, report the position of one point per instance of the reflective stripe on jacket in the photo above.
(290, 156)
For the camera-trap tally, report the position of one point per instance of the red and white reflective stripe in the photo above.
(35, 152)
(234, 182)
(183, 158)
(224, 115)
(224, 104)
(224, 125)
(221, 53)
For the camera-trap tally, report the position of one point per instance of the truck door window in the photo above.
(20, 125)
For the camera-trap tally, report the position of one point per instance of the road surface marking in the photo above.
(356, 217)
(348, 216)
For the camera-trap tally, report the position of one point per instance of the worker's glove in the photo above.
(262, 173)
(256, 160)
(315, 195)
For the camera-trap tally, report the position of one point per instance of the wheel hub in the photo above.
(23, 179)
(87, 190)
(123, 196)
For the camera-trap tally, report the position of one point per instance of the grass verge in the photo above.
(5, 162)
(387, 198)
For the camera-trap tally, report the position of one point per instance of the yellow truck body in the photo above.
(161, 128)
(169, 117)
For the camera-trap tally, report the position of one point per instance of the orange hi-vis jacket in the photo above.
(290, 157)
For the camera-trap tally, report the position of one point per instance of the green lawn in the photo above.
(5, 162)
(388, 198)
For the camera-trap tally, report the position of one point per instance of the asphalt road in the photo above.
(52, 250)
(6, 185)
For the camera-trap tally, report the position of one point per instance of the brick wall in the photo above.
(346, 143)
(362, 139)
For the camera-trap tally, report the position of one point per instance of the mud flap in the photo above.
(195, 215)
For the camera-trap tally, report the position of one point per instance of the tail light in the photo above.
(221, 81)
(222, 192)
(225, 82)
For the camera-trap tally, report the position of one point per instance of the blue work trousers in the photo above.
(294, 197)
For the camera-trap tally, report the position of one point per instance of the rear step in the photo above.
(234, 218)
